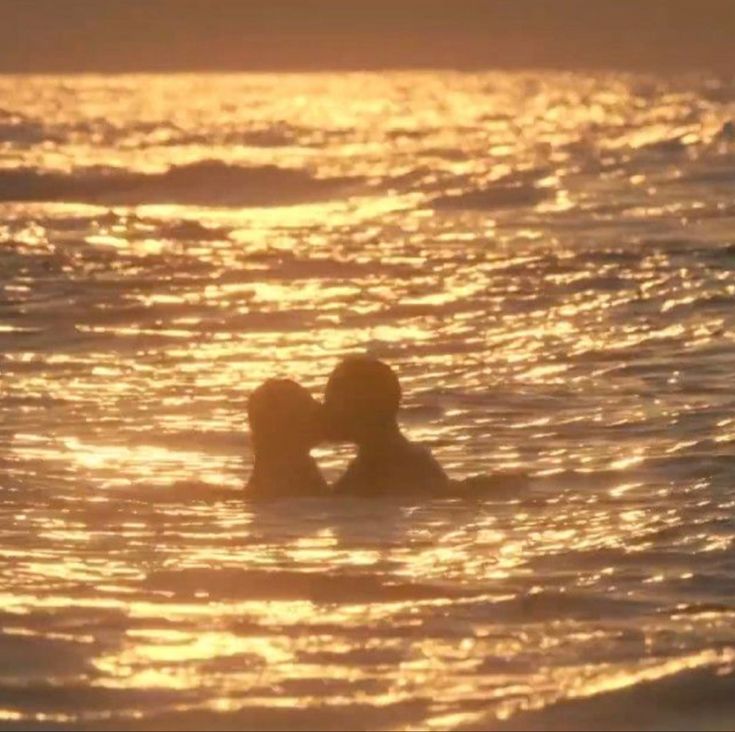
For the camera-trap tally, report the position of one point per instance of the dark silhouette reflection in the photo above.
(285, 426)
(361, 405)
(362, 401)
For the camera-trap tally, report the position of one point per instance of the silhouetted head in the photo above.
(361, 399)
(284, 417)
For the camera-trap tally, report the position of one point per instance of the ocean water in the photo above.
(548, 260)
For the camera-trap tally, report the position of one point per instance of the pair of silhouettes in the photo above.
(361, 404)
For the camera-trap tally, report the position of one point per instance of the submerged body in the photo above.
(361, 404)
(286, 476)
(285, 426)
(399, 466)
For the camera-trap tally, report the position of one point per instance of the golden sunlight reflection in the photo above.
(546, 260)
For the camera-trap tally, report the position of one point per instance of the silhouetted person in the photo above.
(361, 406)
(285, 424)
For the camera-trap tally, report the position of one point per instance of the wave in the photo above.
(16, 128)
(208, 182)
(276, 136)
(721, 175)
(292, 585)
(263, 715)
(499, 486)
(696, 693)
(492, 197)
(23, 134)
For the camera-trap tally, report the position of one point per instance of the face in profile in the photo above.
(361, 398)
(284, 416)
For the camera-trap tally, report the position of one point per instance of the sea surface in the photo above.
(547, 259)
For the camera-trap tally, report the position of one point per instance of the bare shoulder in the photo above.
(353, 480)
(427, 465)
(412, 468)
(422, 452)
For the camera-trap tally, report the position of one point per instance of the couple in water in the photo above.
(361, 404)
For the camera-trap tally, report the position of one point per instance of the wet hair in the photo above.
(362, 393)
(282, 413)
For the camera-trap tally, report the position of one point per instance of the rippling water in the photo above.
(548, 260)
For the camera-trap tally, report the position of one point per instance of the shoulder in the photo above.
(287, 481)
(424, 454)
(426, 467)
(353, 480)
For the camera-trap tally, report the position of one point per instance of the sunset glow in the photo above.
(538, 250)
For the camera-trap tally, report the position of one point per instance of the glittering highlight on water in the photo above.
(549, 262)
